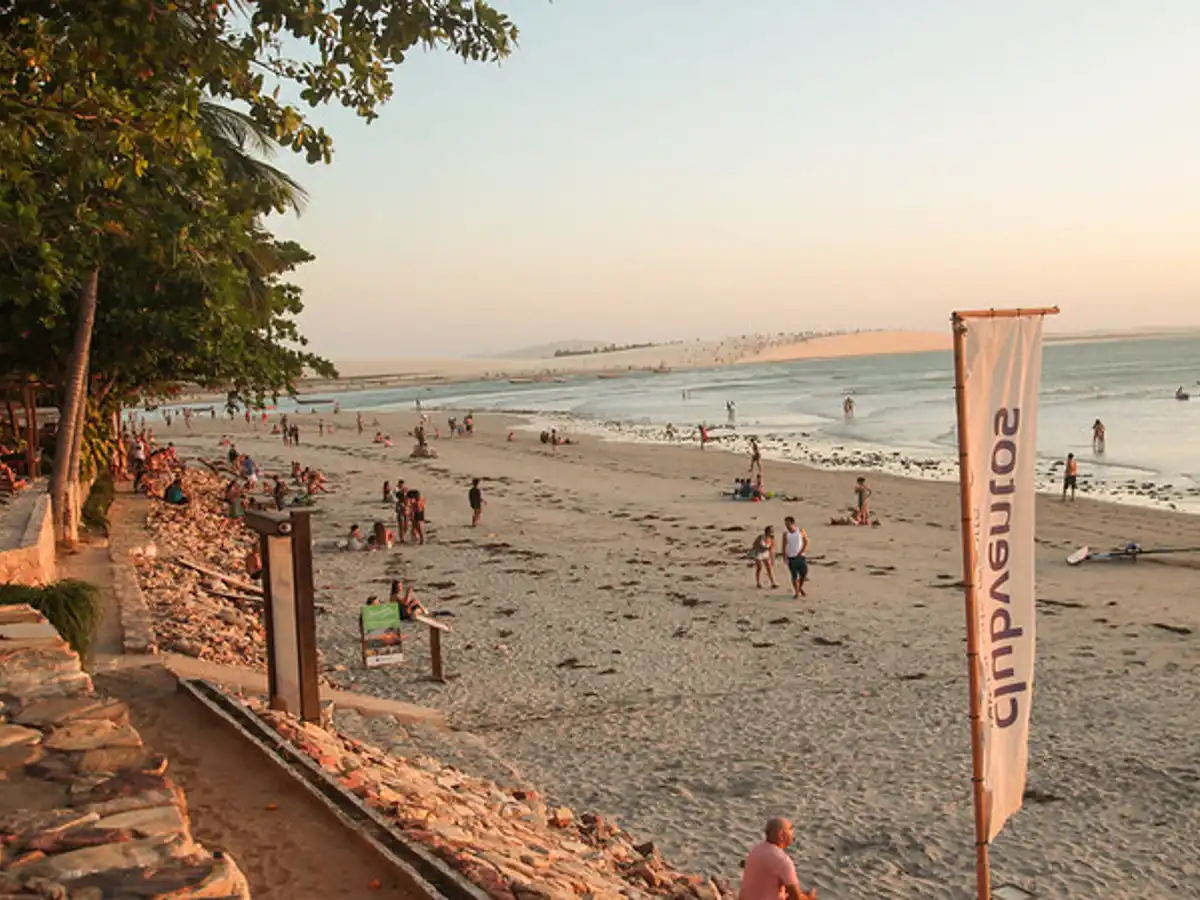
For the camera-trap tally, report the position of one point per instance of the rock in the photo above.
(152, 852)
(92, 734)
(144, 800)
(161, 820)
(561, 817)
(20, 755)
(215, 878)
(16, 736)
(46, 713)
(26, 823)
(111, 759)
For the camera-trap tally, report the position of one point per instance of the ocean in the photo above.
(904, 415)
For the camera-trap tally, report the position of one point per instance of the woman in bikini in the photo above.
(764, 552)
(417, 506)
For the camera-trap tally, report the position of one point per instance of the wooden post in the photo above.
(983, 875)
(31, 431)
(435, 653)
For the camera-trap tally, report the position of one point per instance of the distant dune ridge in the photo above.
(541, 361)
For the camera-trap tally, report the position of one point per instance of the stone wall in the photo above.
(86, 811)
(32, 559)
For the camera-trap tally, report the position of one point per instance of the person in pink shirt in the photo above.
(769, 873)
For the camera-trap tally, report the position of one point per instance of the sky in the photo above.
(668, 169)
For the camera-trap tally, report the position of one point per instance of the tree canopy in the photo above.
(133, 178)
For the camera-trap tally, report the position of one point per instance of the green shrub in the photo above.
(95, 508)
(73, 607)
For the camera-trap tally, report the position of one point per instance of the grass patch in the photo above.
(73, 607)
(99, 500)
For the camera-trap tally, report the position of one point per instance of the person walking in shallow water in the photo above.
(1098, 436)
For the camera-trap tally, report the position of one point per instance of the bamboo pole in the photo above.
(983, 875)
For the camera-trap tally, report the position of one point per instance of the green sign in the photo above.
(381, 637)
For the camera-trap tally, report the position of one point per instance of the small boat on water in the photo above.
(311, 402)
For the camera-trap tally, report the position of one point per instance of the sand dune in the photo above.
(680, 355)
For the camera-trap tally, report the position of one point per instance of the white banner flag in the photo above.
(1003, 375)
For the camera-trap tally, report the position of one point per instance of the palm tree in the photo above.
(243, 146)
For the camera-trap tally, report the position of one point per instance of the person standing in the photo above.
(731, 412)
(755, 456)
(1070, 476)
(795, 546)
(769, 873)
(763, 552)
(862, 494)
(475, 498)
(848, 408)
(1098, 436)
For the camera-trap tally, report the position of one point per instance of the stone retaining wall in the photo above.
(86, 811)
(127, 520)
(33, 559)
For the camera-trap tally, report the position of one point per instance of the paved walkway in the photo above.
(287, 844)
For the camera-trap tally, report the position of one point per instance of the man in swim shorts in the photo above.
(795, 545)
(1070, 476)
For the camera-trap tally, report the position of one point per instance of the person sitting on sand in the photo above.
(409, 605)
(763, 552)
(235, 506)
(297, 472)
(316, 482)
(769, 873)
(388, 497)
(378, 439)
(174, 494)
(862, 493)
(354, 540)
(741, 489)
(545, 437)
(512, 436)
(253, 561)
(758, 493)
(280, 492)
(382, 538)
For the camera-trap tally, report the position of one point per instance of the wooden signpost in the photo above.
(289, 613)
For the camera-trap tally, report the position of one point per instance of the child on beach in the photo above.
(862, 492)
(763, 551)
(475, 498)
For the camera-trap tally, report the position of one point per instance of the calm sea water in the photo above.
(903, 403)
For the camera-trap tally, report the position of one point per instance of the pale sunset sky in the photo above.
(666, 169)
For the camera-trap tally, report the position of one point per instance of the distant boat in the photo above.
(313, 402)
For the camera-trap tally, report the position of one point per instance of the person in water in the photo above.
(1070, 476)
(1098, 436)
(848, 408)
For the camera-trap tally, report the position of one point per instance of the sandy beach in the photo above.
(609, 647)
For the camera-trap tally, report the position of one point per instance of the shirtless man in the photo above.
(1098, 436)
(1070, 476)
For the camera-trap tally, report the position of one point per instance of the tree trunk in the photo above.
(75, 489)
(74, 394)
